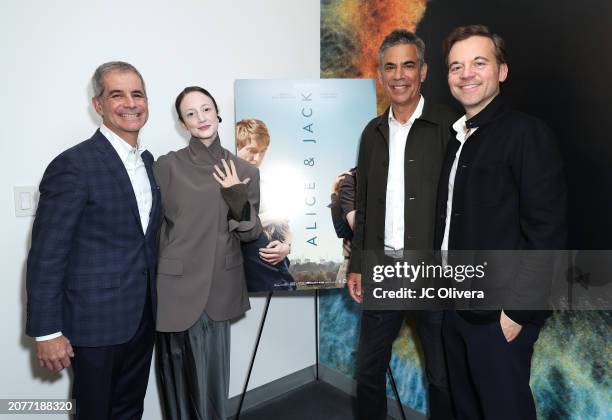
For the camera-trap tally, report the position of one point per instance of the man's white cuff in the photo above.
(49, 337)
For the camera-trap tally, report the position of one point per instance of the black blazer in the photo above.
(509, 194)
(424, 154)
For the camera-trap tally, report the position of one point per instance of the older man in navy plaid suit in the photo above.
(91, 300)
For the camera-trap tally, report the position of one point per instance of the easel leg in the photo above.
(397, 397)
(246, 382)
(316, 309)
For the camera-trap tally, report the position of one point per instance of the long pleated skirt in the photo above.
(193, 368)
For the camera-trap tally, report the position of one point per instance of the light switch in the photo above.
(26, 199)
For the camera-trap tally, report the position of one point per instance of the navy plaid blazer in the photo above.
(90, 262)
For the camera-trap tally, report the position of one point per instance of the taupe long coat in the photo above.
(200, 265)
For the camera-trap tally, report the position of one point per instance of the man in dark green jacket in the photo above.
(398, 168)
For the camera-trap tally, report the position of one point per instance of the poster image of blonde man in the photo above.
(267, 264)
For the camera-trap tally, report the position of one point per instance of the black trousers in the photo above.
(110, 382)
(489, 377)
(194, 368)
(378, 331)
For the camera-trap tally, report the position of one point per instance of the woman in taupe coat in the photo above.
(210, 202)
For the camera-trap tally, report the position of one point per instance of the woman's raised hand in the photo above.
(228, 177)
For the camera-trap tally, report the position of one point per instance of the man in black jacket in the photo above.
(501, 188)
(400, 156)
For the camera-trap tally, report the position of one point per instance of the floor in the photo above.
(314, 401)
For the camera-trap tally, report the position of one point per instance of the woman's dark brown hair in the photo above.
(190, 89)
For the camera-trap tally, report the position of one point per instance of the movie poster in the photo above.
(300, 134)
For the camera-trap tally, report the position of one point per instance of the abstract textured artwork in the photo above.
(352, 30)
(570, 373)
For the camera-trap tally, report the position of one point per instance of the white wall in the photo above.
(49, 51)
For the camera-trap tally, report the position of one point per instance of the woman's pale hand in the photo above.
(228, 177)
(275, 252)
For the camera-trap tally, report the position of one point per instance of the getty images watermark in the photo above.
(405, 271)
(487, 280)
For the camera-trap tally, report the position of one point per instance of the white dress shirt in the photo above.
(462, 135)
(394, 208)
(134, 165)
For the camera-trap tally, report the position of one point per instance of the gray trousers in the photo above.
(193, 368)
